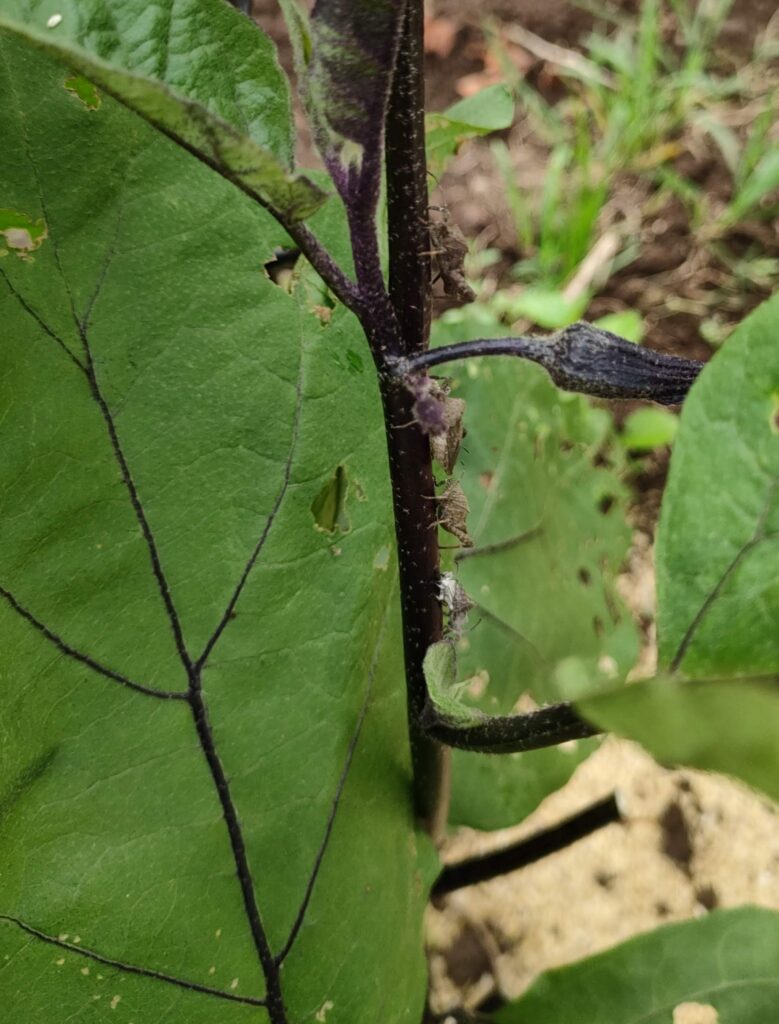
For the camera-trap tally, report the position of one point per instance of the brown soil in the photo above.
(690, 842)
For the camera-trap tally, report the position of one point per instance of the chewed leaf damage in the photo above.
(84, 90)
(695, 1013)
(329, 506)
(20, 233)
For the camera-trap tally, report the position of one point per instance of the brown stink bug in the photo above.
(453, 512)
(445, 444)
(450, 250)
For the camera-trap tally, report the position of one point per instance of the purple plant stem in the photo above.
(411, 469)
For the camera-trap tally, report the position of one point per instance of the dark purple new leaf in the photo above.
(354, 46)
(345, 57)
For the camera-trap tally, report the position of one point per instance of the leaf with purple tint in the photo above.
(345, 57)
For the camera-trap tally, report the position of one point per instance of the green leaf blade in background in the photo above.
(717, 560)
(145, 306)
(225, 130)
(549, 540)
(649, 428)
(489, 110)
(726, 960)
(718, 539)
(727, 726)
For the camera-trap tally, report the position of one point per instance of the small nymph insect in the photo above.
(453, 597)
(439, 416)
(453, 512)
(445, 445)
(450, 250)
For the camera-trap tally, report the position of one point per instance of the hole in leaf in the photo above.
(382, 559)
(584, 576)
(21, 233)
(83, 90)
(329, 506)
(695, 1013)
(280, 268)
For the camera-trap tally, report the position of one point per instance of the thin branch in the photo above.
(85, 659)
(509, 734)
(345, 291)
(580, 358)
(529, 850)
(120, 965)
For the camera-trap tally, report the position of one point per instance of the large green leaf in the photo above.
(196, 69)
(546, 518)
(718, 541)
(728, 960)
(203, 50)
(169, 418)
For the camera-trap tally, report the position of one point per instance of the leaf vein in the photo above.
(41, 322)
(757, 537)
(350, 752)
(85, 659)
(255, 554)
(145, 972)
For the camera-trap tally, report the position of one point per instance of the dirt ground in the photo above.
(675, 281)
(689, 842)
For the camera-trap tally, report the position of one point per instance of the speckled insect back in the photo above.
(450, 250)
(453, 512)
(445, 445)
